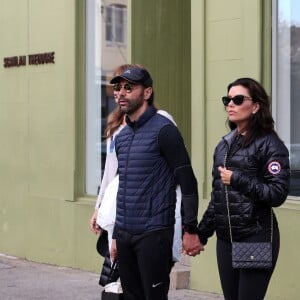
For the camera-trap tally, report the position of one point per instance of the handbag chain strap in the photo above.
(228, 212)
(113, 268)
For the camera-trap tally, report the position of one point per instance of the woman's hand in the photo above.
(93, 225)
(225, 175)
(191, 244)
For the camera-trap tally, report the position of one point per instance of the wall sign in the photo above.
(33, 59)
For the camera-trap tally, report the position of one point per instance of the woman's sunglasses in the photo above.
(128, 87)
(237, 100)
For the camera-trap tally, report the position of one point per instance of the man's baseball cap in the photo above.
(134, 75)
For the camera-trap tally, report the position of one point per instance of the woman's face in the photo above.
(241, 114)
(116, 94)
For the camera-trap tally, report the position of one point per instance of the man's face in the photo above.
(130, 97)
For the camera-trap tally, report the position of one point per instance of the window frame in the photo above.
(282, 89)
(93, 97)
(114, 25)
(98, 98)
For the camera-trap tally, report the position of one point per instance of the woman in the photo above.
(115, 123)
(250, 176)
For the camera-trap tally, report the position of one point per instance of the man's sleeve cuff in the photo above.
(190, 229)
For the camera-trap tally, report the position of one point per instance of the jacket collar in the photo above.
(147, 115)
(230, 136)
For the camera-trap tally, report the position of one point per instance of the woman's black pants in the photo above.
(244, 284)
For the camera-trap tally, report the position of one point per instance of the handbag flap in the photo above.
(252, 252)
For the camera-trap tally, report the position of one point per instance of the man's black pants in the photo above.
(145, 262)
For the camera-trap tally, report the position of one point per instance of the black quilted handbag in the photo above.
(250, 255)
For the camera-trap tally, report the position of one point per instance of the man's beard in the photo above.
(132, 105)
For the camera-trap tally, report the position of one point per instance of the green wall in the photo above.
(192, 48)
(38, 218)
(160, 40)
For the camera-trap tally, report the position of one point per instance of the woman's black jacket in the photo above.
(260, 180)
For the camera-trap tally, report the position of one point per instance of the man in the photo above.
(152, 160)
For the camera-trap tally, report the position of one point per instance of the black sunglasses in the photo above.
(128, 87)
(237, 100)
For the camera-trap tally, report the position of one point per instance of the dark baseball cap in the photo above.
(135, 75)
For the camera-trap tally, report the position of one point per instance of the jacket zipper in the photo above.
(125, 178)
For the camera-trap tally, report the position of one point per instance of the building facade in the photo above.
(57, 58)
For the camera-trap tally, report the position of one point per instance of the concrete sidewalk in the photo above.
(25, 280)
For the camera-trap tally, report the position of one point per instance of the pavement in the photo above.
(21, 279)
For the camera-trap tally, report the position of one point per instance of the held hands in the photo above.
(191, 244)
(225, 175)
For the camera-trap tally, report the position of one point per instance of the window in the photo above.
(115, 23)
(101, 61)
(286, 79)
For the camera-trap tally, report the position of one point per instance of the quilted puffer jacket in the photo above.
(146, 197)
(260, 180)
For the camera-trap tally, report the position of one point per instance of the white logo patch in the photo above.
(274, 167)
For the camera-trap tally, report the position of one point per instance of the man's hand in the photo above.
(113, 251)
(191, 244)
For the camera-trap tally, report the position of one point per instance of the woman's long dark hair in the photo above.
(260, 123)
(114, 121)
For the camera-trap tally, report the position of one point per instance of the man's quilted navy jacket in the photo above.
(146, 196)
